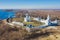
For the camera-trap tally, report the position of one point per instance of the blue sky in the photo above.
(29, 4)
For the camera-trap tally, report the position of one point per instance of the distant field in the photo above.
(41, 13)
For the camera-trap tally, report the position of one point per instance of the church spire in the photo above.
(48, 17)
(48, 20)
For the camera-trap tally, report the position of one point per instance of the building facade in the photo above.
(27, 18)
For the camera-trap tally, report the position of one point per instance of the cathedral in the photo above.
(27, 18)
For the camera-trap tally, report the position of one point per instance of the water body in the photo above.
(6, 14)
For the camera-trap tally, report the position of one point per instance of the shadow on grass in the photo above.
(36, 35)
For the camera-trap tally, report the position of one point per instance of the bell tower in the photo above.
(48, 20)
(27, 18)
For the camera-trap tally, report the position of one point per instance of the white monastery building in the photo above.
(27, 18)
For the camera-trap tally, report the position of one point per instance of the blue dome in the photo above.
(6, 15)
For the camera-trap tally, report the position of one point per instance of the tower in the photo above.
(27, 18)
(38, 19)
(48, 22)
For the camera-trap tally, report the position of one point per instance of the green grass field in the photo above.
(34, 23)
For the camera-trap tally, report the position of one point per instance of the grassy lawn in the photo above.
(34, 23)
(19, 19)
